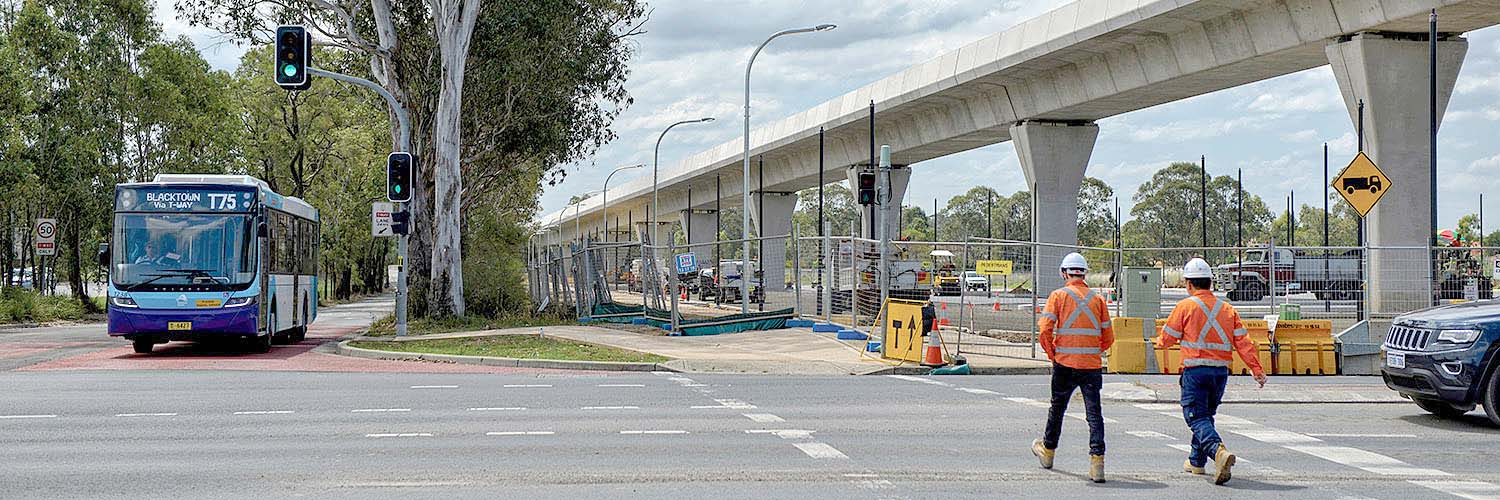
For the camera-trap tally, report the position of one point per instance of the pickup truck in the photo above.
(1331, 276)
(1444, 358)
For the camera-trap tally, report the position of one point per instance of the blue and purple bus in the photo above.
(211, 257)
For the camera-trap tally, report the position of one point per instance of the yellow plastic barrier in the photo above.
(1305, 347)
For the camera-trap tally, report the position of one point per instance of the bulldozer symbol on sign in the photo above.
(1352, 184)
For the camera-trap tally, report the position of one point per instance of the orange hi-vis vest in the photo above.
(1209, 331)
(1075, 327)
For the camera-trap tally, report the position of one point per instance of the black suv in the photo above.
(1444, 358)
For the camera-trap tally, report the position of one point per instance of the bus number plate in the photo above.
(178, 326)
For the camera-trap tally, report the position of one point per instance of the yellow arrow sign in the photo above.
(1362, 184)
(993, 266)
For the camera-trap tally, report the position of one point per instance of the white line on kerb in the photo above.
(400, 435)
(653, 432)
(516, 408)
(610, 408)
(622, 385)
(380, 410)
(263, 412)
(1363, 435)
(764, 417)
(520, 433)
(526, 386)
(434, 387)
(145, 414)
(820, 450)
(28, 416)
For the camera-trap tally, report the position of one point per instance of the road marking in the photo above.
(653, 432)
(1275, 436)
(764, 417)
(1472, 490)
(145, 414)
(1363, 435)
(520, 433)
(820, 450)
(380, 410)
(263, 412)
(1149, 435)
(610, 408)
(978, 391)
(856, 475)
(516, 408)
(1369, 461)
(910, 378)
(622, 385)
(1048, 406)
(434, 387)
(526, 386)
(711, 407)
(1159, 407)
(783, 433)
(27, 416)
(400, 435)
(735, 403)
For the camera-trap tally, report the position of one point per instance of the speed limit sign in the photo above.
(46, 237)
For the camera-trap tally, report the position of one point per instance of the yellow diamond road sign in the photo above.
(1362, 184)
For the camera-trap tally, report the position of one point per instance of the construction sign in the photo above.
(994, 267)
(903, 329)
(1362, 184)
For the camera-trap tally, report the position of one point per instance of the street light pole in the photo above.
(745, 182)
(604, 210)
(656, 165)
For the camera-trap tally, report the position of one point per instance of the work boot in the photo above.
(1188, 467)
(1043, 454)
(1096, 468)
(1223, 461)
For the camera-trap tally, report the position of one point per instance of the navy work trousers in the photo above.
(1202, 391)
(1064, 381)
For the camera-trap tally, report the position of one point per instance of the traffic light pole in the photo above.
(405, 145)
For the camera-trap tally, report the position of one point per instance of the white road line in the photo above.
(1264, 470)
(1472, 490)
(434, 387)
(910, 378)
(399, 435)
(263, 412)
(820, 450)
(1159, 407)
(1369, 461)
(145, 414)
(736, 404)
(26, 416)
(783, 433)
(653, 432)
(610, 408)
(526, 386)
(622, 385)
(857, 475)
(513, 408)
(1363, 435)
(380, 410)
(978, 391)
(1149, 435)
(711, 407)
(1048, 406)
(764, 417)
(520, 433)
(1275, 436)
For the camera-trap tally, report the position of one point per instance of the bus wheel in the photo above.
(142, 345)
(260, 344)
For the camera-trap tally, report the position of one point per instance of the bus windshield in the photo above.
(152, 250)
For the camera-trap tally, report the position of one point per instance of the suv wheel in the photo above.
(1442, 409)
(1491, 400)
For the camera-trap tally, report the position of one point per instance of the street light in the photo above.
(578, 214)
(656, 164)
(745, 185)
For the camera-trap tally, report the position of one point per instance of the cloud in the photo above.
(1478, 84)
(1307, 135)
(1342, 144)
(1187, 130)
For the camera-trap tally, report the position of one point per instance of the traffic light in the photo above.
(867, 188)
(398, 177)
(401, 222)
(293, 56)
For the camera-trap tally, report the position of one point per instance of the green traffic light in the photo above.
(289, 70)
(398, 189)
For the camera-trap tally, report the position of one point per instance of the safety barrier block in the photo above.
(799, 323)
(852, 335)
(826, 328)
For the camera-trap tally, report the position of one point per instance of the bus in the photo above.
(210, 257)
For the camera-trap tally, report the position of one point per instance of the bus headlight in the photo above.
(239, 301)
(123, 302)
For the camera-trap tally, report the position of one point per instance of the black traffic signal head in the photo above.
(401, 222)
(399, 168)
(293, 56)
(867, 188)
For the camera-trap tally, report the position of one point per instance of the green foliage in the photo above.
(25, 306)
(494, 265)
(516, 346)
(386, 326)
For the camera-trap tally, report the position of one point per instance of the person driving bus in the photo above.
(153, 256)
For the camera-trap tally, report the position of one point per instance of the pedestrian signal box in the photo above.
(867, 188)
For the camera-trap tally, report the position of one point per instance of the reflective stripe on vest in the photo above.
(1078, 350)
(1212, 323)
(1049, 315)
(1240, 332)
(1174, 333)
(1205, 362)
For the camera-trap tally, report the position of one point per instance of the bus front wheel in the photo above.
(142, 346)
(260, 344)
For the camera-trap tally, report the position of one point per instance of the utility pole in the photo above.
(1203, 198)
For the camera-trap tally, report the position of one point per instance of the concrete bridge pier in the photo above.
(777, 209)
(1054, 156)
(700, 229)
(1388, 72)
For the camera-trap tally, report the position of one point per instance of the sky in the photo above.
(690, 61)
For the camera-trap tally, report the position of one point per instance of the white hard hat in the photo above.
(1074, 261)
(1197, 268)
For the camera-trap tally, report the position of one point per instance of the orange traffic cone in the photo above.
(684, 294)
(933, 357)
(997, 306)
(943, 321)
(943, 305)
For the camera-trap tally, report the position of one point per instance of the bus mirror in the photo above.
(261, 231)
(104, 254)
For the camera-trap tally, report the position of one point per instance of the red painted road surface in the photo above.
(297, 357)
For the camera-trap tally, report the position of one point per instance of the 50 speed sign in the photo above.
(46, 237)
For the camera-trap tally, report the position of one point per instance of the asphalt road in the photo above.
(237, 434)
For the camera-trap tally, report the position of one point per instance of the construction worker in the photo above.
(1075, 330)
(1210, 332)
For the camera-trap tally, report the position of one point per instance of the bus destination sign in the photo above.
(182, 199)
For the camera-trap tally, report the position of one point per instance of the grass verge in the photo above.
(25, 306)
(515, 346)
(386, 326)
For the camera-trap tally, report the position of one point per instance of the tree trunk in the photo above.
(455, 26)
